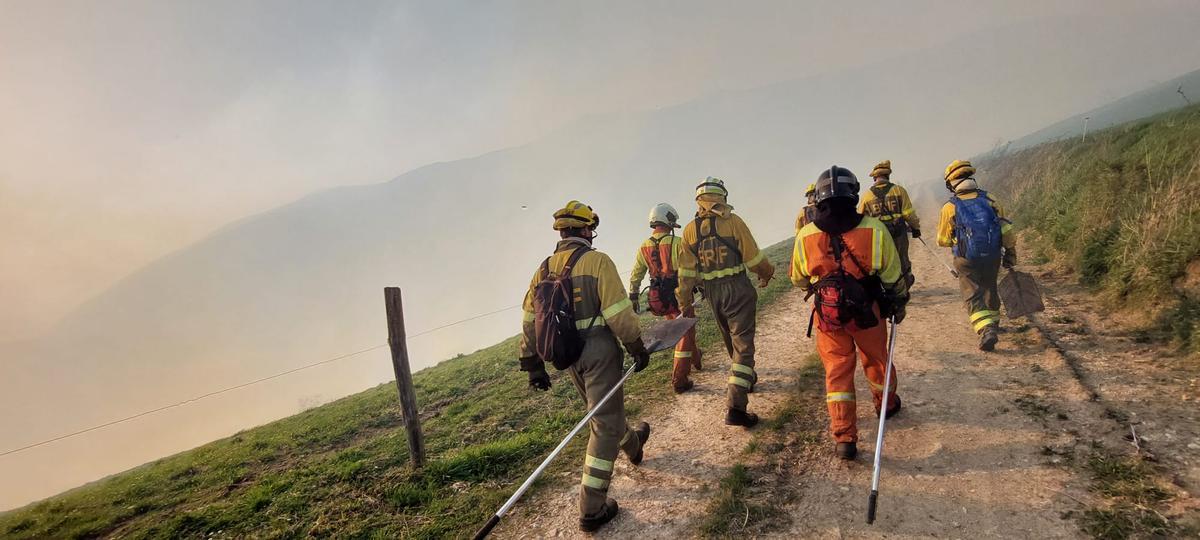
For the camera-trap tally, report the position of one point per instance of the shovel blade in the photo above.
(1020, 294)
(664, 335)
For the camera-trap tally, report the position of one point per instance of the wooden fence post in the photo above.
(404, 383)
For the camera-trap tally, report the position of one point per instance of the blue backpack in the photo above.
(976, 227)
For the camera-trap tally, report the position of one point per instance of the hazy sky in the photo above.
(130, 129)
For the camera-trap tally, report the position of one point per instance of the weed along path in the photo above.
(1012, 444)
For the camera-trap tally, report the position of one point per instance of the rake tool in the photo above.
(661, 336)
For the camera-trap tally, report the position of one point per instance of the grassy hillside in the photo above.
(341, 469)
(1122, 211)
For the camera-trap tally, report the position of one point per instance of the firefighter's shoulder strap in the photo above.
(571, 261)
(712, 233)
(881, 191)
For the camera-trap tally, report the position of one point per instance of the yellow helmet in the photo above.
(712, 186)
(576, 215)
(811, 189)
(959, 168)
(883, 168)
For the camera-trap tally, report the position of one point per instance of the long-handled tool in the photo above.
(495, 520)
(659, 337)
(887, 386)
(953, 272)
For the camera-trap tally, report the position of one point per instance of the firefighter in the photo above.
(848, 261)
(605, 317)
(890, 203)
(975, 226)
(718, 253)
(659, 255)
(806, 213)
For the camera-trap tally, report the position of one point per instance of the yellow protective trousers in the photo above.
(977, 279)
(599, 369)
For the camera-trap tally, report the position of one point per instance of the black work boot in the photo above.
(593, 523)
(988, 339)
(688, 385)
(846, 451)
(892, 411)
(643, 435)
(741, 418)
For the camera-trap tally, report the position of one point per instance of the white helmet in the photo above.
(665, 214)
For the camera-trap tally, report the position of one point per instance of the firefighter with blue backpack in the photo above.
(659, 255)
(577, 316)
(976, 228)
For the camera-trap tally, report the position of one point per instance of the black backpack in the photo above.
(557, 339)
(843, 300)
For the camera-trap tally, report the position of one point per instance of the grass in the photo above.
(1135, 500)
(1122, 210)
(746, 505)
(342, 469)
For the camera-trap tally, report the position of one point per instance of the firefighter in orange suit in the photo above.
(849, 263)
(659, 255)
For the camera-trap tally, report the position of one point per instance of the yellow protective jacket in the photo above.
(668, 244)
(707, 256)
(600, 299)
(945, 232)
(871, 243)
(895, 205)
(805, 216)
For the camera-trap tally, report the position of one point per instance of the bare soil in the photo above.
(987, 445)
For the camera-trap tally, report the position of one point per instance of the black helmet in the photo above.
(837, 182)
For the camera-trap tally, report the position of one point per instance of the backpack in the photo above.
(881, 206)
(976, 227)
(843, 301)
(660, 296)
(557, 339)
(712, 233)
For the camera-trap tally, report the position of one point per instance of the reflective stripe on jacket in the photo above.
(896, 204)
(870, 243)
(600, 298)
(945, 232)
(705, 257)
(668, 251)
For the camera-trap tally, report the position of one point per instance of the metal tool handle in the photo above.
(953, 272)
(495, 519)
(887, 386)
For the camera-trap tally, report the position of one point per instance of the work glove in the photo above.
(636, 298)
(764, 281)
(1010, 258)
(916, 233)
(641, 357)
(899, 312)
(539, 380)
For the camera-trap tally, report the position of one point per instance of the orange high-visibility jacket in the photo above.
(668, 246)
(706, 257)
(600, 298)
(871, 244)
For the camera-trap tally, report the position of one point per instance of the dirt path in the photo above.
(983, 448)
(965, 458)
(690, 447)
